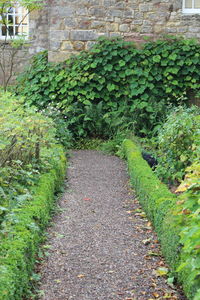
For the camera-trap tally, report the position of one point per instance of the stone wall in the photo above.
(65, 27)
(74, 25)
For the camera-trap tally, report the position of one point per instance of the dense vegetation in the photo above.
(32, 168)
(27, 142)
(113, 91)
(115, 84)
(178, 143)
(174, 218)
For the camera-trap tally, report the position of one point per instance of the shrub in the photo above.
(27, 142)
(32, 168)
(176, 220)
(179, 142)
(114, 81)
(22, 231)
(187, 212)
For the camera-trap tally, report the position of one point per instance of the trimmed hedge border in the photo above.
(158, 203)
(23, 232)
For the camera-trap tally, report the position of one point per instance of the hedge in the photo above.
(159, 203)
(22, 230)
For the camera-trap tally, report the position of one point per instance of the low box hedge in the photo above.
(159, 203)
(22, 230)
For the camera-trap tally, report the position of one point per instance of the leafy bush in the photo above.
(32, 168)
(22, 230)
(176, 220)
(27, 142)
(187, 212)
(113, 81)
(62, 135)
(179, 143)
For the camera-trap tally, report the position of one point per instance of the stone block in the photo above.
(58, 35)
(55, 56)
(83, 35)
(89, 45)
(78, 46)
(144, 7)
(170, 29)
(98, 25)
(194, 29)
(97, 11)
(124, 28)
(66, 45)
(115, 13)
(112, 27)
(71, 23)
(146, 29)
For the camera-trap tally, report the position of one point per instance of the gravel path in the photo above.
(102, 246)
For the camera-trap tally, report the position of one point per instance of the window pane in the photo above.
(196, 3)
(10, 31)
(10, 10)
(188, 3)
(3, 30)
(10, 19)
(21, 30)
(18, 20)
(25, 20)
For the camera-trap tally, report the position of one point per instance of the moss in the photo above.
(22, 232)
(158, 203)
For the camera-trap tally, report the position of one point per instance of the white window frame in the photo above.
(190, 10)
(14, 25)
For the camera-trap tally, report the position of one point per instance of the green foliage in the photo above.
(22, 228)
(115, 83)
(27, 143)
(176, 222)
(63, 135)
(179, 143)
(187, 212)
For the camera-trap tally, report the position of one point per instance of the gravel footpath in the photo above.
(102, 246)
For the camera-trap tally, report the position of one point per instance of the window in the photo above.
(14, 22)
(191, 6)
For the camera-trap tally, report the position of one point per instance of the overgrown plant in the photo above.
(12, 41)
(115, 80)
(179, 143)
(187, 214)
(27, 142)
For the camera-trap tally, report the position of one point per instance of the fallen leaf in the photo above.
(143, 293)
(156, 295)
(57, 280)
(147, 241)
(120, 293)
(161, 271)
(151, 253)
(81, 276)
(170, 281)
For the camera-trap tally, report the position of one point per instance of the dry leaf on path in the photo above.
(81, 276)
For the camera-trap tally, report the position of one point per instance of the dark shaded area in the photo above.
(152, 161)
